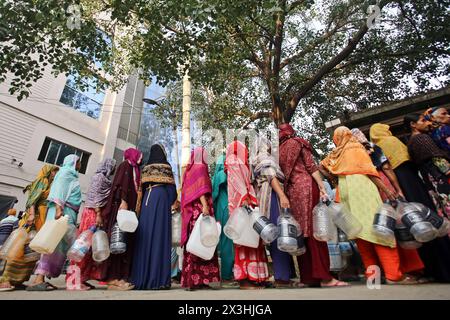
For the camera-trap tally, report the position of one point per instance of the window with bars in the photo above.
(54, 152)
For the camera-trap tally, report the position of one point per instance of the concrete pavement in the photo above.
(358, 291)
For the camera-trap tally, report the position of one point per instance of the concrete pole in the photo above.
(186, 128)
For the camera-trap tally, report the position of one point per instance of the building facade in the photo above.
(58, 119)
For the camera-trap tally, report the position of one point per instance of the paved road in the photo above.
(357, 291)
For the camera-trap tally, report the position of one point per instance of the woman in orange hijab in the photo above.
(358, 191)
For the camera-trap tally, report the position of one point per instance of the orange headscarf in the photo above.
(349, 156)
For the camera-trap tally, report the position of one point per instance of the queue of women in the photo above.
(364, 174)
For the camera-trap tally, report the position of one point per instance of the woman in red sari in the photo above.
(196, 200)
(250, 265)
(304, 188)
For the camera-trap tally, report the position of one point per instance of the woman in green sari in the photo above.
(220, 200)
(64, 200)
(19, 270)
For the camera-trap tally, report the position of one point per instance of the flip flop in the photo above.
(44, 286)
(337, 284)
(290, 285)
(10, 288)
(120, 288)
(404, 281)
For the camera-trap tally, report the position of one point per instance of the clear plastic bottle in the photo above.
(413, 217)
(81, 246)
(287, 240)
(118, 243)
(441, 224)
(384, 222)
(404, 238)
(344, 220)
(14, 245)
(262, 225)
(237, 223)
(176, 228)
(208, 231)
(100, 246)
(322, 224)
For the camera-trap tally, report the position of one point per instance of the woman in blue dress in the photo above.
(151, 269)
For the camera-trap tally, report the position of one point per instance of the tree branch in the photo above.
(256, 116)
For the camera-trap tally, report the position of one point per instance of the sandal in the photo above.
(288, 285)
(10, 288)
(337, 284)
(115, 287)
(405, 281)
(44, 286)
(83, 287)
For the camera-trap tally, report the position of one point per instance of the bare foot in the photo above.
(333, 283)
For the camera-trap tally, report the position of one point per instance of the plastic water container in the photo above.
(344, 220)
(127, 220)
(49, 236)
(249, 237)
(287, 240)
(30, 255)
(237, 222)
(71, 234)
(301, 248)
(195, 245)
(322, 225)
(384, 222)
(337, 263)
(118, 244)
(208, 231)
(176, 228)
(413, 217)
(100, 246)
(441, 224)
(404, 238)
(81, 246)
(262, 225)
(14, 245)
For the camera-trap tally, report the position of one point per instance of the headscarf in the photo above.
(219, 177)
(196, 183)
(156, 171)
(238, 172)
(101, 184)
(157, 154)
(393, 148)
(291, 148)
(39, 185)
(359, 135)
(349, 156)
(66, 180)
(132, 155)
(264, 169)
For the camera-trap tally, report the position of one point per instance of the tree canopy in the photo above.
(287, 58)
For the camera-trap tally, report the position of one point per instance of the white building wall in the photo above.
(24, 126)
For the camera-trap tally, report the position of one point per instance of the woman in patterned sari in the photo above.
(19, 271)
(64, 200)
(250, 265)
(96, 199)
(196, 201)
(358, 186)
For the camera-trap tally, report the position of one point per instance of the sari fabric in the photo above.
(132, 156)
(101, 184)
(393, 148)
(39, 185)
(220, 200)
(65, 192)
(196, 183)
(349, 157)
(238, 176)
(249, 263)
(264, 169)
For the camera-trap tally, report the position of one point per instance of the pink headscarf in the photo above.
(196, 183)
(133, 155)
(238, 177)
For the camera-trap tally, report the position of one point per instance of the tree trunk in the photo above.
(186, 129)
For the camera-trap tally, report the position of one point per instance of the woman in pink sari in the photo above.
(196, 200)
(250, 265)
